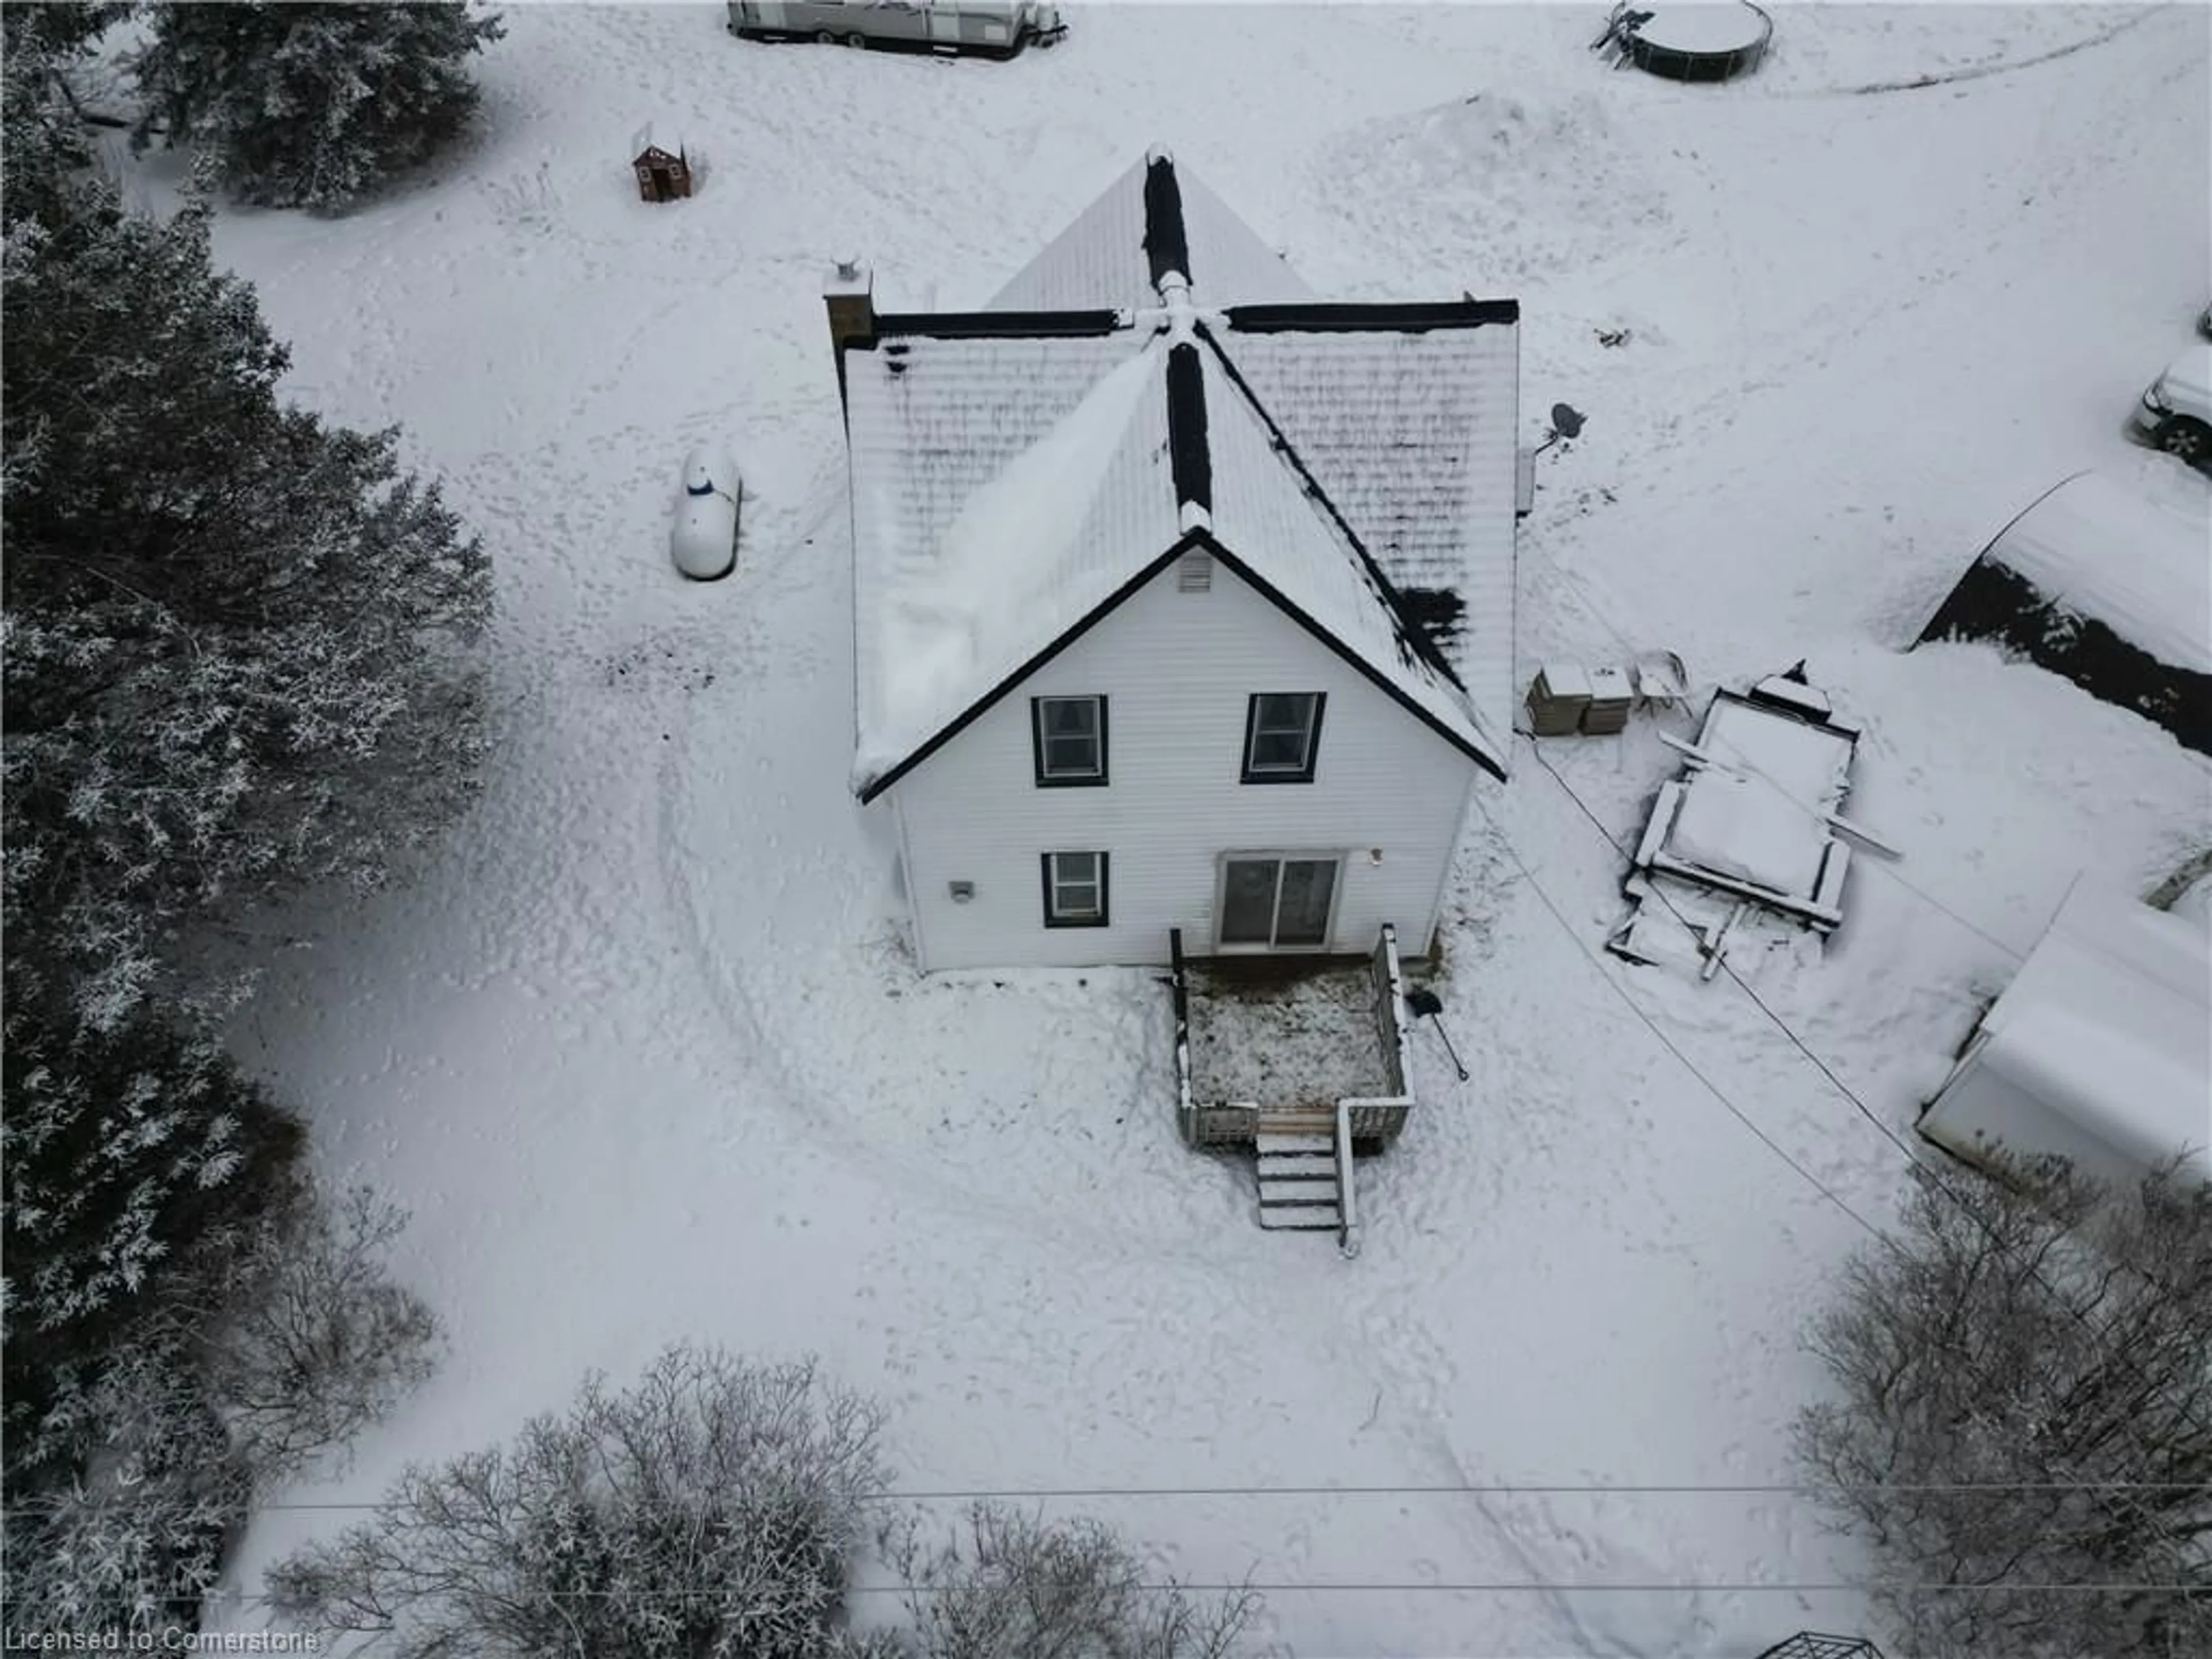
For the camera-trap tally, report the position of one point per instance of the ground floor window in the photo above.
(1074, 890)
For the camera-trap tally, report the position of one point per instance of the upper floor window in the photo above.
(1069, 735)
(1282, 730)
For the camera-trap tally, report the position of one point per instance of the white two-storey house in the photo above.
(1183, 600)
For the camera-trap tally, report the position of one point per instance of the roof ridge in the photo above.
(1372, 316)
(1167, 243)
(1189, 456)
(1424, 646)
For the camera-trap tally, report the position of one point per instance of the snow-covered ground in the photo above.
(644, 1054)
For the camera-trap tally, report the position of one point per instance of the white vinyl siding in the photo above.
(1178, 671)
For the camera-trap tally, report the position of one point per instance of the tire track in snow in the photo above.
(749, 1004)
(1393, 1326)
(1980, 72)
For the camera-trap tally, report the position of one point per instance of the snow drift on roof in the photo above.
(2129, 549)
(1027, 554)
(1101, 259)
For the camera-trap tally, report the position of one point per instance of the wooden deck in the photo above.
(1277, 1045)
(1289, 1038)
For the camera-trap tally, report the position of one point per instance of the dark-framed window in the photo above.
(1074, 890)
(1282, 734)
(1068, 735)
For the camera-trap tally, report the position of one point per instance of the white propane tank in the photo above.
(704, 539)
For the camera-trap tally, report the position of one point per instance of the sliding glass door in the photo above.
(1275, 902)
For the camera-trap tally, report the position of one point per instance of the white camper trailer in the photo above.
(2098, 1051)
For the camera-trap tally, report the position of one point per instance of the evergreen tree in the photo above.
(312, 106)
(133, 1159)
(237, 660)
(236, 639)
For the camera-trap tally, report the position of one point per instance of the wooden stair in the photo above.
(1301, 1188)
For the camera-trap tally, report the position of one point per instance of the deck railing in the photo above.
(1208, 1123)
(1186, 1113)
(1375, 1119)
(1380, 1117)
(1347, 1194)
(1390, 1015)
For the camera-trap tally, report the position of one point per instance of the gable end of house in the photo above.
(1068, 636)
(1491, 764)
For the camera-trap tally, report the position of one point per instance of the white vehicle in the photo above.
(2176, 412)
(704, 539)
(1000, 27)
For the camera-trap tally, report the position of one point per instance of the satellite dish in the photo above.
(1567, 421)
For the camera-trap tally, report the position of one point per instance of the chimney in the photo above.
(849, 293)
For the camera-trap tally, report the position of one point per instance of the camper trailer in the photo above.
(2097, 1052)
(1000, 27)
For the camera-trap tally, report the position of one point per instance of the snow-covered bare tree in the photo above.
(263, 1351)
(1017, 1587)
(306, 1340)
(312, 104)
(2025, 1430)
(708, 1512)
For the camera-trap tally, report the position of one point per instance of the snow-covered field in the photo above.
(645, 1056)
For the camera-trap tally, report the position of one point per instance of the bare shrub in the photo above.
(2027, 1410)
(314, 1342)
(1018, 1588)
(709, 1512)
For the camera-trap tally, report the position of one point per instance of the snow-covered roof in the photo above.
(656, 135)
(1263, 515)
(1410, 433)
(1006, 488)
(2127, 548)
(1012, 470)
(1002, 489)
(1103, 260)
(2110, 1020)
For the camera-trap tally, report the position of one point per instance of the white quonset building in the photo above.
(2099, 1051)
(1183, 600)
(2105, 578)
